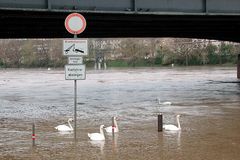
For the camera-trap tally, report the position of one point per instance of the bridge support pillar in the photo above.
(238, 67)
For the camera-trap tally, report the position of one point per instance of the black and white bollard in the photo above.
(33, 135)
(160, 122)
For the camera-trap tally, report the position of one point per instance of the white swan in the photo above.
(97, 136)
(171, 127)
(65, 128)
(114, 127)
(164, 103)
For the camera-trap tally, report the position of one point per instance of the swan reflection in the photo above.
(98, 144)
(179, 139)
(172, 138)
(115, 142)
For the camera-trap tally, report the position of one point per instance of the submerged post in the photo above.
(33, 134)
(160, 122)
(113, 126)
(238, 67)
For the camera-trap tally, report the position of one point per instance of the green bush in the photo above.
(2, 65)
(117, 63)
(158, 60)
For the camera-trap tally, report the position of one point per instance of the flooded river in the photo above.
(207, 98)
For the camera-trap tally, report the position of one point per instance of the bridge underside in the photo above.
(50, 24)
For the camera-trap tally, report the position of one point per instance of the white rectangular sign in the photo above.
(75, 60)
(75, 72)
(75, 47)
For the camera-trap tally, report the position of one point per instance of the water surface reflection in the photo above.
(206, 97)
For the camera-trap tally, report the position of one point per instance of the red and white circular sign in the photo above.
(75, 23)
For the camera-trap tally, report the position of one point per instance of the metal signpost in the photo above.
(75, 24)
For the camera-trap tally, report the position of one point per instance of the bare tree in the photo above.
(12, 53)
(28, 56)
(3, 44)
(183, 48)
(56, 57)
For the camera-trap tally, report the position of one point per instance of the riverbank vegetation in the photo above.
(32, 53)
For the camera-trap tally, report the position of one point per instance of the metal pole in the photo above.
(75, 105)
(160, 122)
(75, 110)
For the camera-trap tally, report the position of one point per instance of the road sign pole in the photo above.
(75, 24)
(75, 110)
(75, 106)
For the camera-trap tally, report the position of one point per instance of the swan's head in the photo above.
(102, 126)
(115, 118)
(70, 120)
(178, 115)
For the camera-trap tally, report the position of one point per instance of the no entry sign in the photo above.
(75, 23)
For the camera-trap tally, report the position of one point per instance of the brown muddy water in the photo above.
(208, 99)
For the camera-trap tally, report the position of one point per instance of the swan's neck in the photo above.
(115, 124)
(70, 124)
(101, 131)
(178, 122)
